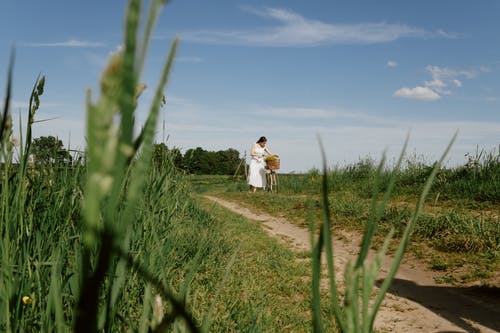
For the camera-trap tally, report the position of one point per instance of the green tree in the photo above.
(160, 152)
(162, 155)
(176, 157)
(194, 160)
(49, 149)
(229, 161)
(200, 161)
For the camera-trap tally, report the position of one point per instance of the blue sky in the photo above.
(360, 74)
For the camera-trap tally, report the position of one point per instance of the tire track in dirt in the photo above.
(415, 303)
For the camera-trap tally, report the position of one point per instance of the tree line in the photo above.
(199, 161)
(49, 149)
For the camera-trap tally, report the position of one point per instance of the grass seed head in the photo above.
(110, 80)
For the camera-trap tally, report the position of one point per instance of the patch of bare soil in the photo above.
(415, 302)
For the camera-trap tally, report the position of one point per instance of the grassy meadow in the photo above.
(458, 231)
(112, 242)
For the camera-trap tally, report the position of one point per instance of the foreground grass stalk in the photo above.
(316, 277)
(398, 257)
(34, 105)
(88, 304)
(6, 273)
(325, 234)
(377, 210)
(116, 170)
(6, 106)
(360, 278)
(14, 230)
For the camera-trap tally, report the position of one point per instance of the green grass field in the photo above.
(461, 231)
(114, 243)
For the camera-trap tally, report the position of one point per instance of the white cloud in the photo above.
(436, 83)
(68, 43)
(442, 79)
(445, 73)
(392, 63)
(418, 93)
(292, 29)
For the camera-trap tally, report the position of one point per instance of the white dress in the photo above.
(257, 173)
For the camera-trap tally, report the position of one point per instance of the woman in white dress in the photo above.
(257, 173)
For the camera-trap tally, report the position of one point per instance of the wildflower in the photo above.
(27, 300)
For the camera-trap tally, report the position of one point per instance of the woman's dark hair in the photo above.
(262, 139)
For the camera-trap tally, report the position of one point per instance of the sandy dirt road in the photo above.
(415, 303)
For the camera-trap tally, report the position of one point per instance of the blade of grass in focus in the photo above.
(355, 314)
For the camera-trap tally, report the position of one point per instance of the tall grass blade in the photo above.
(33, 106)
(143, 162)
(129, 75)
(369, 279)
(88, 303)
(371, 223)
(8, 94)
(326, 237)
(376, 214)
(406, 235)
(315, 284)
(154, 11)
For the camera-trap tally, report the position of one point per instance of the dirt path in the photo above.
(415, 303)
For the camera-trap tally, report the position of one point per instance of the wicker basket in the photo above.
(273, 164)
